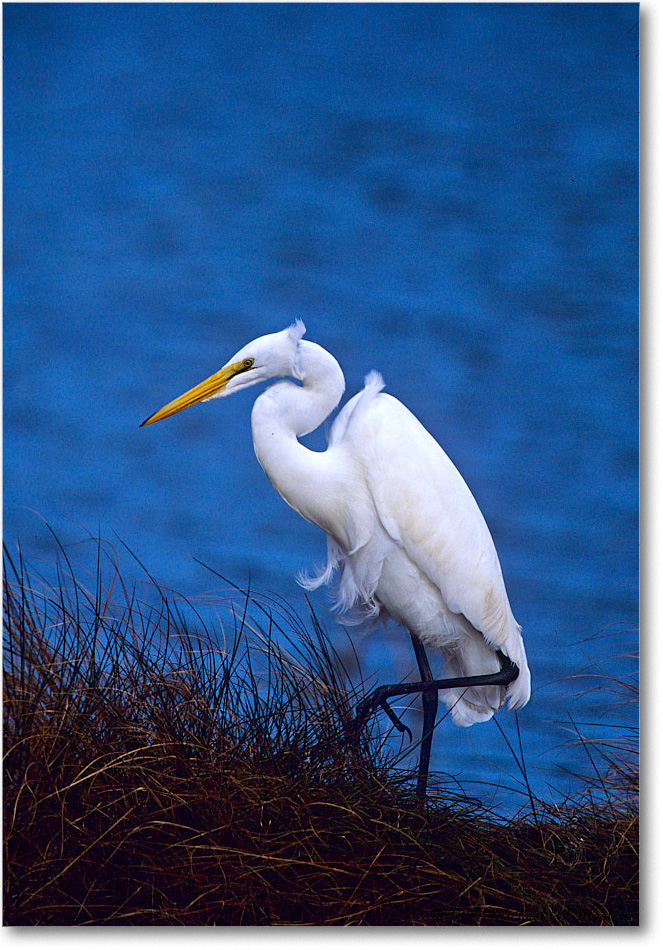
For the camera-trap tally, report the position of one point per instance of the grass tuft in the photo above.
(157, 772)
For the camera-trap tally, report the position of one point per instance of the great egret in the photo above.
(402, 526)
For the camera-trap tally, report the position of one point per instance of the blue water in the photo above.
(446, 193)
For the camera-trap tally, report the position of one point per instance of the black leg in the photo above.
(428, 687)
(429, 702)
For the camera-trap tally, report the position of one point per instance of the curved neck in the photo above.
(293, 410)
(284, 412)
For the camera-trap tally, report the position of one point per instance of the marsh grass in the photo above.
(158, 772)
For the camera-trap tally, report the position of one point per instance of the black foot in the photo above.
(394, 719)
(380, 695)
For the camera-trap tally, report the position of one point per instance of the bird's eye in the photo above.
(247, 364)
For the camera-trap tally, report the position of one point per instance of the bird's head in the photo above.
(265, 358)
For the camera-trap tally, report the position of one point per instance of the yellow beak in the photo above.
(205, 390)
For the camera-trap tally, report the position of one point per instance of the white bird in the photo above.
(402, 526)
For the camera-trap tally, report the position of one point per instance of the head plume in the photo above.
(296, 330)
(295, 333)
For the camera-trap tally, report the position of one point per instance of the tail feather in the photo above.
(469, 705)
(518, 692)
(473, 657)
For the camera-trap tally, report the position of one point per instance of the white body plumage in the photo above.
(403, 527)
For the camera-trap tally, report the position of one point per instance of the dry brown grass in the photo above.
(153, 777)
